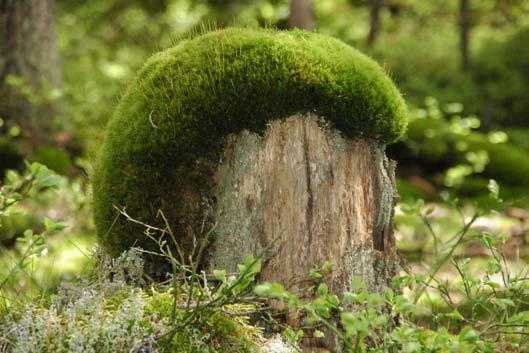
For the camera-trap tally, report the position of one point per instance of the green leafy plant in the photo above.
(492, 301)
(362, 322)
(18, 187)
(453, 154)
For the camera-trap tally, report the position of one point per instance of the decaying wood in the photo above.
(326, 198)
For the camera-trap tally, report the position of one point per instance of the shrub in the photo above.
(167, 131)
(440, 140)
(501, 72)
(54, 158)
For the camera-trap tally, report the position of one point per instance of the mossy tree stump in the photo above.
(319, 181)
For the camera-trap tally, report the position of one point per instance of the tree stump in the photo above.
(327, 198)
(327, 195)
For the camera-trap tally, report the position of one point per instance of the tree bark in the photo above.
(29, 66)
(301, 15)
(464, 23)
(374, 16)
(324, 197)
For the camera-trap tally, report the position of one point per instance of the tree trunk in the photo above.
(301, 15)
(29, 66)
(464, 23)
(324, 197)
(374, 20)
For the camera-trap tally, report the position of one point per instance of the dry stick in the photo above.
(189, 305)
(205, 284)
(459, 236)
(219, 301)
(173, 238)
(129, 218)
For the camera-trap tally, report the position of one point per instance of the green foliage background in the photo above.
(466, 127)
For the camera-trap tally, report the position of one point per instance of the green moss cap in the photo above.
(187, 98)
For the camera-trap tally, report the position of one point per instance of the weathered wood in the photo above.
(327, 198)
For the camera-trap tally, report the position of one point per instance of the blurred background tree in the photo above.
(30, 76)
(301, 15)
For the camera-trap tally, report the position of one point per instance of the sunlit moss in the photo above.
(168, 129)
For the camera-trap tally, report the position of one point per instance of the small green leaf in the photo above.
(44, 177)
(348, 318)
(429, 211)
(327, 266)
(381, 320)
(402, 281)
(262, 289)
(493, 267)
(250, 266)
(469, 334)
(402, 305)
(52, 226)
(357, 284)
(255, 266)
(314, 274)
(11, 176)
(374, 299)
(503, 303)
(348, 297)
(520, 318)
(333, 299)
(361, 297)
(454, 315)
(487, 240)
(322, 307)
(318, 334)
(290, 335)
(14, 131)
(494, 189)
(323, 289)
(269, 289)
(220, 275)
(492, 284)
(388, 292)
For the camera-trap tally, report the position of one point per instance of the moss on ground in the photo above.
(116, 318)
(167, 132)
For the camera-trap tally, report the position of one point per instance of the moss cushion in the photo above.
(172, 119)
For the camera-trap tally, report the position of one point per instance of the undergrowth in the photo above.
(117, 315)
(118, 309)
